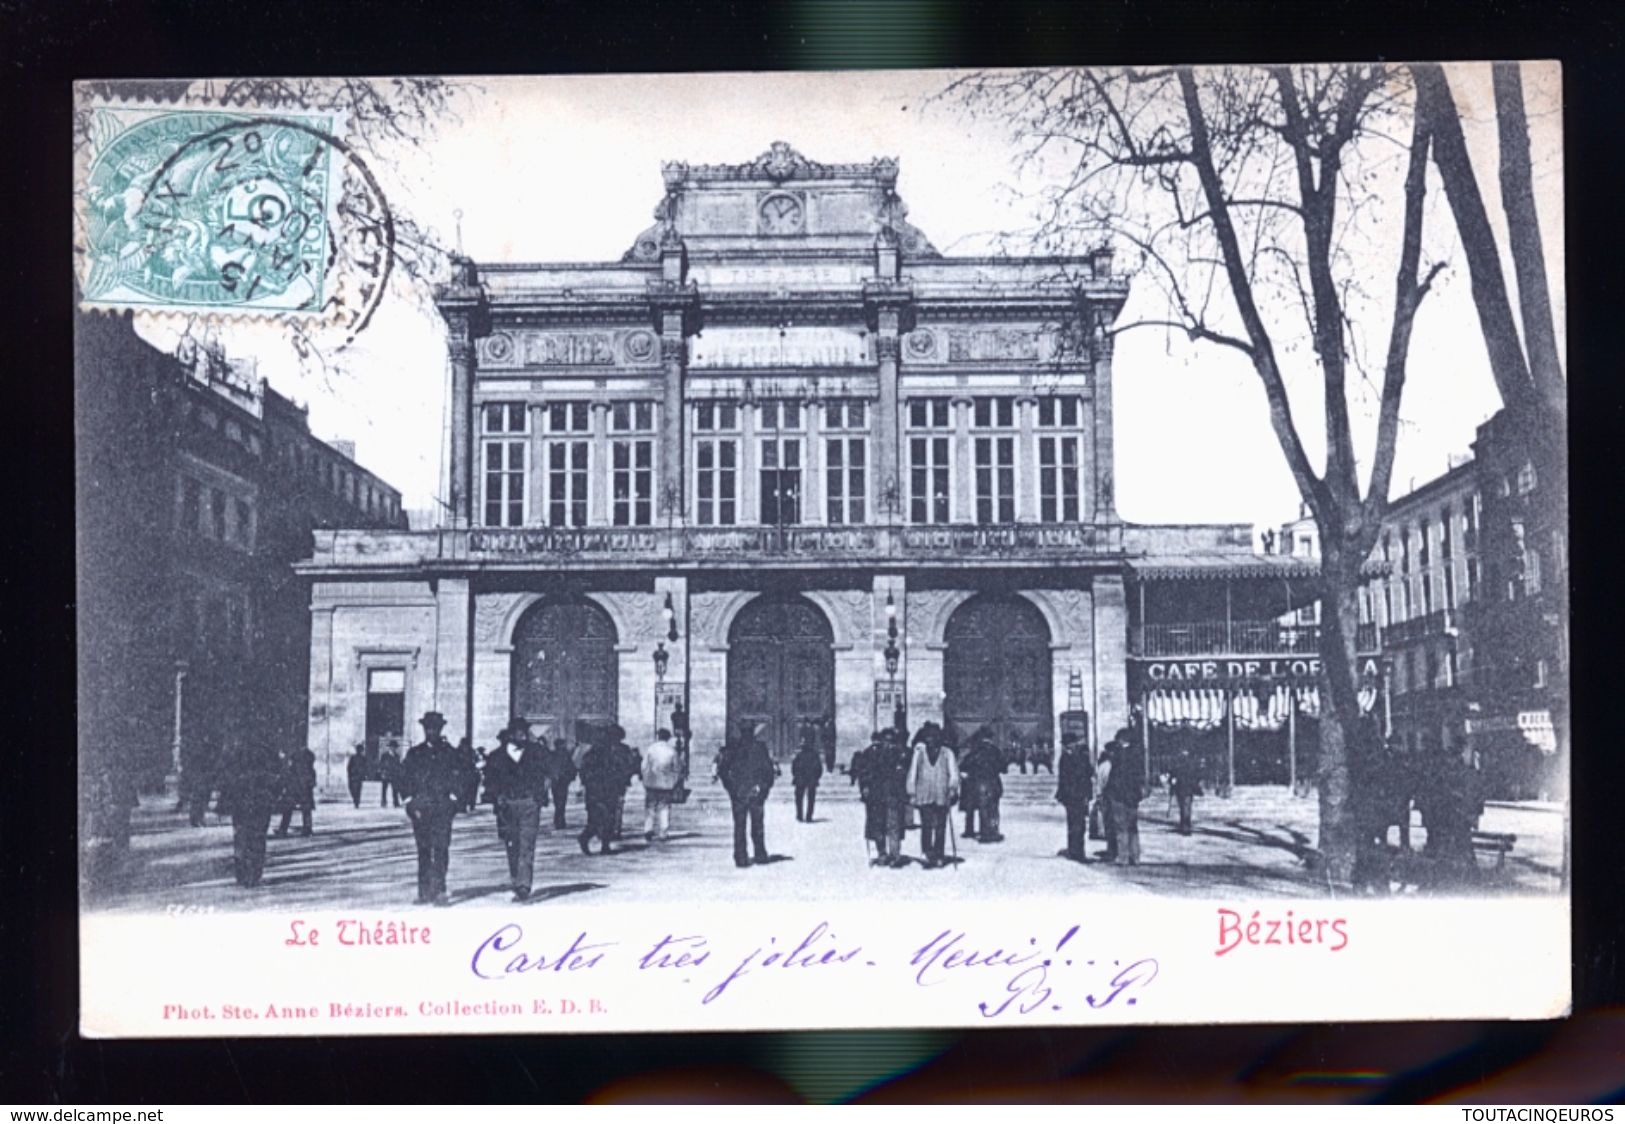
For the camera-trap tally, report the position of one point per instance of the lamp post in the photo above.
(662, 658)
(892, 655)
(669, 612)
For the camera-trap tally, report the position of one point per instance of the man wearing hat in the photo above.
(431, 782)
(516, 778)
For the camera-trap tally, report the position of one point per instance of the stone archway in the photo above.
(781, 670)
(565, 669)
(998, 671)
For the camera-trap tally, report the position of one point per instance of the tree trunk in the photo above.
(1478, 245)
(1339, 713)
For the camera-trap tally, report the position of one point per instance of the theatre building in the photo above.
(785, 462)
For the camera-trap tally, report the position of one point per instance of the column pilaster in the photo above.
(1026, 460)
(463, 305)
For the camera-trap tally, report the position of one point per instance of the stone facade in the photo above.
(779, 447)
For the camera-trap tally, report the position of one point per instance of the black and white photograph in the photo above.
(829, 514)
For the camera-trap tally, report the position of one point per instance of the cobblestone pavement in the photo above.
(1251, 845)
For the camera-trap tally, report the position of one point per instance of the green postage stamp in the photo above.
(208, 210)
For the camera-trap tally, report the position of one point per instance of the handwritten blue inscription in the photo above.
(1026, 978)
(500, 955)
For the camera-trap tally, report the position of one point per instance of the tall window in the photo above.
(191, 505)
(778, 460)
(716, 464)
(930, 477)
(1059, 456)
(505, 429)
(632, 456)
(846, 461)
(994, 449)
(569, 458)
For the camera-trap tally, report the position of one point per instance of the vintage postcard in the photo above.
(821, 550)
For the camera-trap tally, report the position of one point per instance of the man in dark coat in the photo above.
(983, 768)
(299, 790)
(805, 770)
(1124, 789)
(561, 771)
(249, 792)
(355, 772)
(389, 773)
(747, 774)
(604, 779)
(468, 775)
(199, 765)
(862, 771)
(891, 786)
(826, 737)
(431, 781)
(517, 780)
(1074, 789)
(1185, 782)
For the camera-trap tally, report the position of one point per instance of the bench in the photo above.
(1494, 843)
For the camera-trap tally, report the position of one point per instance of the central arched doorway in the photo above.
(781, 670)
(996, 671)
(565, 669)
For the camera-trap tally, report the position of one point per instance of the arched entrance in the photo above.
(565, 669)
(997, 671)
(781, 670)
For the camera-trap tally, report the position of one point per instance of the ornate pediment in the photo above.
(781, 163)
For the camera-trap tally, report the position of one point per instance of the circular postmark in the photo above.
(211, 210)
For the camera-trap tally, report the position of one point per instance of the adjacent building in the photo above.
(787, 463)
(1473, 617)
(199, 487)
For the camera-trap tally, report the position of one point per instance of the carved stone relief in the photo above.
(709, 614)
(636, 615)
(928, 611)
(490, 612)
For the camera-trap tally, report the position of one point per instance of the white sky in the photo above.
(568, 168)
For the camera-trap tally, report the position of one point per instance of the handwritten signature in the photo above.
(1031, 978)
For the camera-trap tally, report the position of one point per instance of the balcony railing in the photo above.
(1433, 624)
(1241, 638)
(518, 546)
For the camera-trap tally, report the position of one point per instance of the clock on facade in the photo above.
(781, 214)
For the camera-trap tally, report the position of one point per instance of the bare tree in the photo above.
(1255, 198)
(1523, 351)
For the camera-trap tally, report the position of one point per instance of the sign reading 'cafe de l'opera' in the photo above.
(783, 460)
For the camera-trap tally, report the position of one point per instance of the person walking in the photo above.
(355, 772)
(1101, 817)
(248, 792)
(561, 771)
(1124, 789)
(826, 735)
(1185, 782)
(983, 768)
(1074, 789)
(389, 776)
(299, 790)
(603, 782)
(431, 783)
(516, 778)
(663, 771)
(805, 770)
(468, 775)
(630, 764)
(863, 772)
(747, 774)
(933, 787)
(892, 779)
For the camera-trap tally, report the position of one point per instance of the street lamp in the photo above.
(892, 656)
(670, 613)
(661, 658)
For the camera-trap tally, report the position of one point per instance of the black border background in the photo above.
(47, 45)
